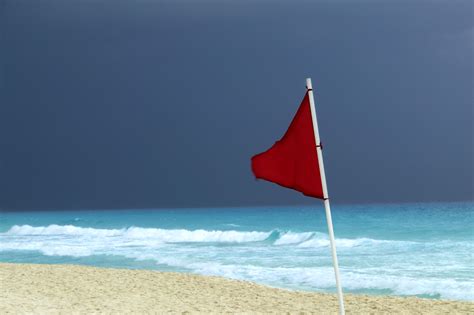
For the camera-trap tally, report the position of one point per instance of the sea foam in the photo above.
(291, 259)
(161, 235)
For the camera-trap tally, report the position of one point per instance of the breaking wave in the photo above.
(278, 238)
(159, 235)
(280, 258)
(164, 236)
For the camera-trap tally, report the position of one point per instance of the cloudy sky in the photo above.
(161, 103)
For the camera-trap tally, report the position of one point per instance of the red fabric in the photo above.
(292, 161)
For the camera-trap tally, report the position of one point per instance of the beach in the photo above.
(53, 289)
(285, 247)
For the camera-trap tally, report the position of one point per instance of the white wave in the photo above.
(290, 259)
(177, 236)
(293, 238)
(159, 235)
(61, 230)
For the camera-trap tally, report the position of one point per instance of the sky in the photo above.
(158, 103)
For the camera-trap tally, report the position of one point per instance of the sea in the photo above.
(413, 249)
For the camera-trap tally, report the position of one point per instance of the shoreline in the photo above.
(52, 289)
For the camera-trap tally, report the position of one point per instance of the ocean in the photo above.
(420, 249)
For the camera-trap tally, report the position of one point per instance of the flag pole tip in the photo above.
(309, 86)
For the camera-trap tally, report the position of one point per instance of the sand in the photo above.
(69, 289)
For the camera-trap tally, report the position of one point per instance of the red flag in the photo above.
(292, 161)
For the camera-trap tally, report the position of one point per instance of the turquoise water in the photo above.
(397, 249)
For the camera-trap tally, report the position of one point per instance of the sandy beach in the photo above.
(53, 289)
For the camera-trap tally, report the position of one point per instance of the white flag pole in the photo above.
(309, 86)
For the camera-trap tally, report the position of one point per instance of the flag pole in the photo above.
(327, 207)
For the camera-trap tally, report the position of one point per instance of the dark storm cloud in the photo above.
(109, 104)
